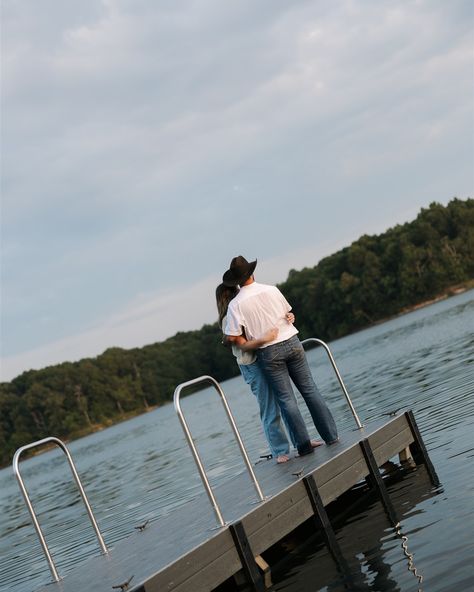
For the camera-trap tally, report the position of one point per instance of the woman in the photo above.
(254, 377)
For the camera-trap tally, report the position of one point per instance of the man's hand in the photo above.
(290, 317)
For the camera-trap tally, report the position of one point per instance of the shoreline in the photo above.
(447, 293)
(96, 427)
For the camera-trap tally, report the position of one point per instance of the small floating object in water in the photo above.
(123, 586)
(142, 527)
(392, 413)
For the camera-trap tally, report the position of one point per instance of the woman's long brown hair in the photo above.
(224, 294)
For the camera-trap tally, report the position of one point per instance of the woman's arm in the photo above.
(245, 345)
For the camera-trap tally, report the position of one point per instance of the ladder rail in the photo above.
(16, 471)
(338, 375)
(192, 446)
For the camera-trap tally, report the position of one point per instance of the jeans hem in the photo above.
(305, 450)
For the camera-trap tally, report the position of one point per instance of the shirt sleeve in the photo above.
(234, 322)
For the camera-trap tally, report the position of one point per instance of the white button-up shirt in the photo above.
(258, 308)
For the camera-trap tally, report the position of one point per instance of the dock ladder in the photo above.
(192, 446)
(338, 375)
(16, 470)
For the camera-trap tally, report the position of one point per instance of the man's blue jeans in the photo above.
(269, 409)
(286, 360)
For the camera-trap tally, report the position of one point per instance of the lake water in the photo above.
(140, 469)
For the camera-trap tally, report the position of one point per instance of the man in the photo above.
(256, 309)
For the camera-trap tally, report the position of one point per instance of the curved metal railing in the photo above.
(197, 459)
(339, 378)
(16, 470)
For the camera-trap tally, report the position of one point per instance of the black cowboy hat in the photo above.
(239, 272)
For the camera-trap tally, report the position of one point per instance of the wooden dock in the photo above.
(185, 551)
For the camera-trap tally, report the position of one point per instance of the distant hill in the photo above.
(374, 278)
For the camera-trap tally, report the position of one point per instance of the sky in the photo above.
(144, 143)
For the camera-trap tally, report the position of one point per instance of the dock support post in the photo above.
(266, 571)
(246, 556)
(376, 480)
(323, 523)
(405, 456)
(418, 449)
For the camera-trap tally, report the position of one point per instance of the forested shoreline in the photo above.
(374, 278)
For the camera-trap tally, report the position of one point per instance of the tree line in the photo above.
(375, 277)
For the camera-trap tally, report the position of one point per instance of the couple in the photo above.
(257, 322)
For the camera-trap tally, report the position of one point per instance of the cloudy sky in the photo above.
(147, 142)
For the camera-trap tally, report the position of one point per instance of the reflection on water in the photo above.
(379, 556)
(142, 469)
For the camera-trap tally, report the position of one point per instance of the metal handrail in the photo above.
(16, 470)
(197, 459)
(339, 378)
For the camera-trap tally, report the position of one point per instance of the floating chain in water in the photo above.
(409, 556)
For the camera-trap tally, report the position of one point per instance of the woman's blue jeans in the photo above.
(287, 360)
(269, 409)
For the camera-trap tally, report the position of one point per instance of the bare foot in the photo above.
(316, 443)
(282, 458)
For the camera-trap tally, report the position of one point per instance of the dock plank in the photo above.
(205, 567)
(276, 518)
